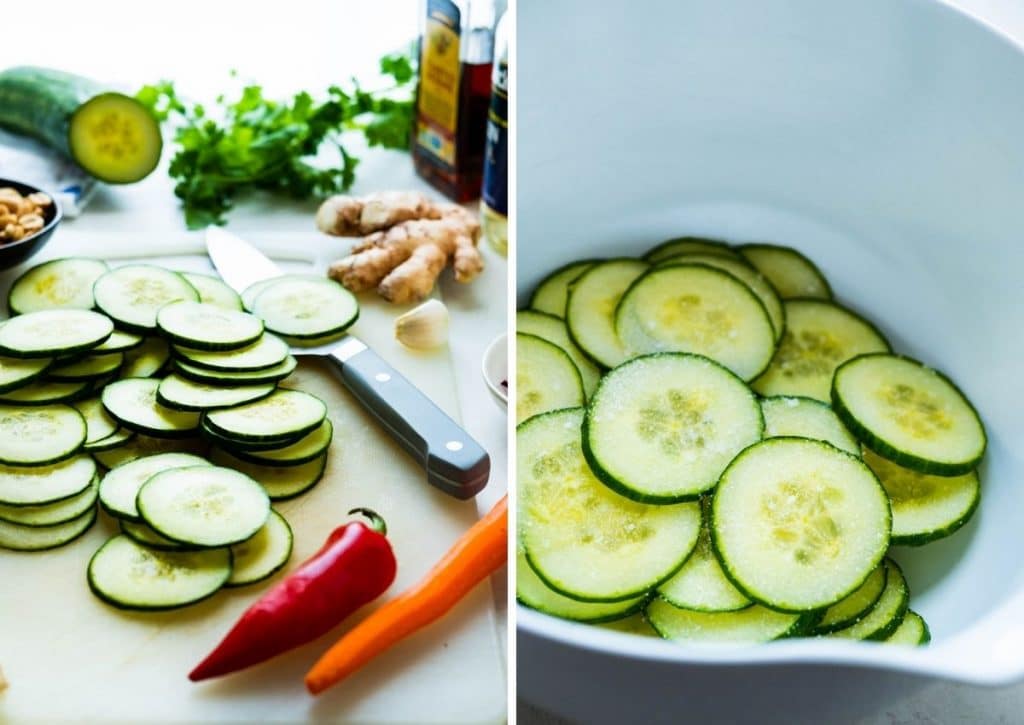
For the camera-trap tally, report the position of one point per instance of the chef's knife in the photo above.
(455, 463)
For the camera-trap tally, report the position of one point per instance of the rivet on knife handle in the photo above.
(455, 463)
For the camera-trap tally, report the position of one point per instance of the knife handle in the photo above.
(455, 463)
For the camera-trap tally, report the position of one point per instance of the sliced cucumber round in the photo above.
(307, 448)
(745, 626)
(688, 245)
(280, 482)
(250, 293)
(263, 554)
(89, 367)
(119, 341)
(303, 308)
(183, 394)
(698, 309)
(819, 337)
(273, 374)
(635, 624)
(52, 514)
(746, 274)
(909, 414)
(701, 585)
(552, 292)
(53, 332)
(132, 295)
(583, 539)
(661, 428)
(40, 538)
(590, 308)
(799, 524)
(855, 605)
(532, 592)
(913, 631)
(267, 352)
(143, 445)
(118, 438)
(212, 290)
(285, 413)
(553, 329)
(790, 272)
(133, 403)
(59, 284)
(39, 435)
(120, 486)
(129, 575)
(39, 485)
(46, 393)
(546, 378)
(793, 416)
(140, 533)
(886, 616)
(203, 505)
(98, 423)
(146, 359)
(230, 443)
(203, 326)
(16, 372)
(925, 507)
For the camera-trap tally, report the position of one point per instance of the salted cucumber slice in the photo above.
(746, 274)
(855, 605)
(584, 540)
(806, 418)
(552, 292)
(689, 245)
(39, 435)
(701, 585)
(913, 631)
(532, 592)
(53, 332)
(819, 337)
(590, 308)
(909, 413)
(886, 616)
(746, 626)
(799, 524)
(662, 428)
(553, 329)
(546, 378)
(698, 309)
(791, 273)
(925, 507)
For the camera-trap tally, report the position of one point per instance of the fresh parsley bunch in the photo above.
(258, 143)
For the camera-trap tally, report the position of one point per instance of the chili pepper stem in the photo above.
(376, 521)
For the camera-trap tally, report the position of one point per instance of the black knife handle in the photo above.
(455, 463)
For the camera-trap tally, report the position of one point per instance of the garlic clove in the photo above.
(423, 327)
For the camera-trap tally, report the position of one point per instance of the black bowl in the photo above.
(14, 253)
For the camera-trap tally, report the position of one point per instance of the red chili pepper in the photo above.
(353, 567)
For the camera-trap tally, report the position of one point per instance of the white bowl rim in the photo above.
(488, 359)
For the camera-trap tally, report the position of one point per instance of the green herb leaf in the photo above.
(253, 142)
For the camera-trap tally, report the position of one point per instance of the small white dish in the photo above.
(495, 369)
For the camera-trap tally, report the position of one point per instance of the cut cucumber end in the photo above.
(115, 138)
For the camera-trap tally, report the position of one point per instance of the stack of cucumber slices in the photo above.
(156, 394)
(708, 439)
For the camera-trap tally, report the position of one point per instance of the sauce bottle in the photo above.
(494, 204)
(456, 52)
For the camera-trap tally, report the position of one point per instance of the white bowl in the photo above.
(885, 139)
(495, 369)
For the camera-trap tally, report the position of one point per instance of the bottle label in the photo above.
(440, 65)
(495, 191)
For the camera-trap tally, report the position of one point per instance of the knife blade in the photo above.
(454, 462)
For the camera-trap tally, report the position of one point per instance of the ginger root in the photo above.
(408, 242)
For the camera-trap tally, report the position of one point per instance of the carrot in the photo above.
(481, 551)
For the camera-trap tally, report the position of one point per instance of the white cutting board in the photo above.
(68, 656)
